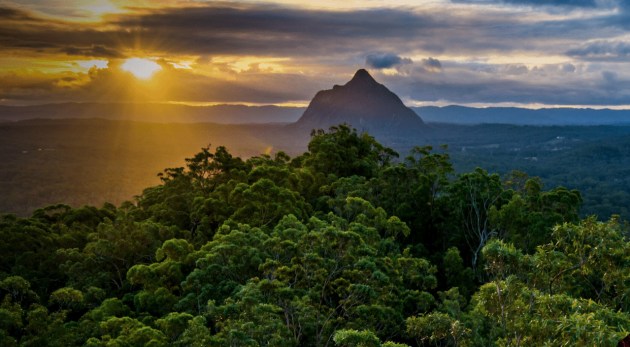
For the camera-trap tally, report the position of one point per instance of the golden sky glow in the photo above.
(140, 67)
(283, 52)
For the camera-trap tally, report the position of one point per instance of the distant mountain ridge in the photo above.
(523, 116)
(364, 104)
(242, 114)
(156, 113)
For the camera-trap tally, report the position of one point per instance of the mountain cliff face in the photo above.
(364, 104)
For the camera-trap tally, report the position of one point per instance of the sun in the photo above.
(140, 67)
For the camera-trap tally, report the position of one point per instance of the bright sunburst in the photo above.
(141, 68)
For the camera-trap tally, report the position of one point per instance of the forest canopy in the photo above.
(346, 245)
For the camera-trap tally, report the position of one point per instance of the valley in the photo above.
(93, 161)
(90, 154)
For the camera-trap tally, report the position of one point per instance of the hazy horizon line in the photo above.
(297, 104)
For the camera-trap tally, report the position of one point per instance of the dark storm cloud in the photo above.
(8, 13)
(272, 30)
(384, 61)
(21, 30)
(281, 31)
(237, 30)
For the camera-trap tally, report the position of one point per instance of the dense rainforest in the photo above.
(347, 244)
(81, 162)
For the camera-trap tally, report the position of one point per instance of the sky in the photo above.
(529, 53)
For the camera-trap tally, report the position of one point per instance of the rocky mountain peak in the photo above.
(363, 103)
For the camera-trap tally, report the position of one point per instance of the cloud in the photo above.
(226, 28)
(275, 30)
(553, 84)
(560, 3)
(318, 48)
(610, 77)
(25, 32)
(271, 30)
(93, 51)
(386, 60)
(501, 91)
(568, 68)
(8, 13)
(602, 51)
(432, 64)
(570, 3)
(115, 85)
(281, 31)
